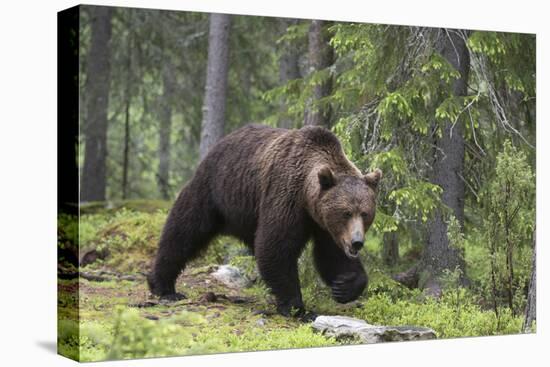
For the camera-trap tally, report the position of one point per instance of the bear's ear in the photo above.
(326, 178)
(372, 178)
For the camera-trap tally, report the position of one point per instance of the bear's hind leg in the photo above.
(346, 277)
(189, 228)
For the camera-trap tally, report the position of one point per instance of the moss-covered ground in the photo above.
(107, 312)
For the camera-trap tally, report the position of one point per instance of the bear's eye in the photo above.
(364, 215)
(347, 215)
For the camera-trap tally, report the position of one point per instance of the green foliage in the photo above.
(508, 227)
(456, 294)
(253, 71)
(512, 52)
(488, 43)
(391, 100)
(420, 198)
(381, 284)
(135, 337)
(410, 199)
(314, 292)
(442, 316)
(68, 338)
(510, 193)
(455, 234)
(247, 264)
(299, 337)
(130, 238)
(133, 232)
(69, 230)
(117, 235)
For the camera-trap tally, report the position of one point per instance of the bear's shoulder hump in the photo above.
(320, 136)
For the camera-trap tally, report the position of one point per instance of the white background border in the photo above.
(28, 181)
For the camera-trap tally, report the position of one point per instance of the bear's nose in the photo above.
(357, 240)
(357, 245)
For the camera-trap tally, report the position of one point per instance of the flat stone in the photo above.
(342, 327)
(231, 277)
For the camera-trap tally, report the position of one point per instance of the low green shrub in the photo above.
(441, 315)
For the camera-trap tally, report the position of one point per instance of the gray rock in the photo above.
(261, 322)
(342, 327)
(231, 277)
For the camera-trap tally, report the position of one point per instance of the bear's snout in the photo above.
(355, 238)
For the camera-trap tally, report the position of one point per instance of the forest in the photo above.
(448, 115)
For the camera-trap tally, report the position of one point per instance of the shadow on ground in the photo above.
(50, 346)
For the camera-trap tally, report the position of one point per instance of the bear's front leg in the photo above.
(281, 275)
(277, 258)
(346, 277)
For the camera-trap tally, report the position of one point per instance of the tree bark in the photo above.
(95, 130)
(448, 170)
(289, 65)
(163, 176)
(126, 152)
(213, 121)
(320, 57)
(531, 308)
(128, 97)
(390, 249)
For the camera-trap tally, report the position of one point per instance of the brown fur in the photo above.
(274, 189)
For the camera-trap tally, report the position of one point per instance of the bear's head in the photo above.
(346, 207)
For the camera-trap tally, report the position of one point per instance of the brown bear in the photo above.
(274, 189)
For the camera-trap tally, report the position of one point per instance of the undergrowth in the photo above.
(108, 327)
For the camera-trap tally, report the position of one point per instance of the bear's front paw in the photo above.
(290, 311)
(292, 308)
(348, 287)
(299, 313)
(174, 297)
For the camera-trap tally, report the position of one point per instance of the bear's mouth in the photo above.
(351, 252)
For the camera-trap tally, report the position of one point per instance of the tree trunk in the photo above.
(320, 57)
(97, 88)
(448, 170)
(126, 152)
(531, 308)
(128, 97)
(289, 66)
(213, 121)
(163, 176)
(390, 249)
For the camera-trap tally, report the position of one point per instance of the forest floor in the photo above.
(107, 311)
